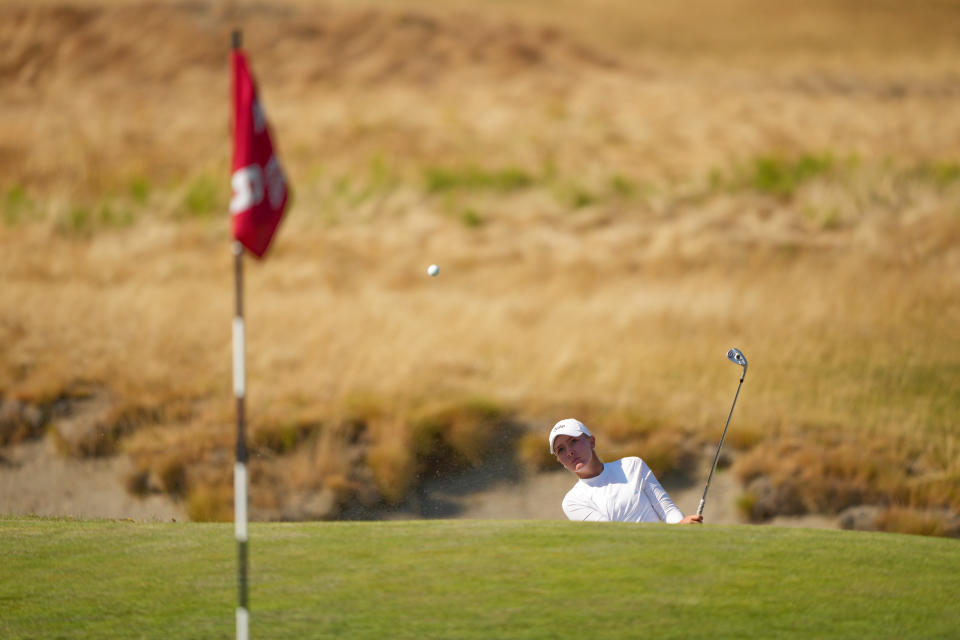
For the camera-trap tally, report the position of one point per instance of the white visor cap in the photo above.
(569, 427)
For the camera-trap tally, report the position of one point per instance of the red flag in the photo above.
(258, 182)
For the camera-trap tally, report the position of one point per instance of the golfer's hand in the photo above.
(692, 518)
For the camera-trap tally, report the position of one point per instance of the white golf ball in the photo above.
(433, 270)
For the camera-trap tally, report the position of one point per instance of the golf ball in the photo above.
(433, 270)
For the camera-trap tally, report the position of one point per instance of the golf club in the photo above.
(736, 357)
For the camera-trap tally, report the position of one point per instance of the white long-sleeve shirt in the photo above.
(625, 491)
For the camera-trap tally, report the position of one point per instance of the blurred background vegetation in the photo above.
(615, 195)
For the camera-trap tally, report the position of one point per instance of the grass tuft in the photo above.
(210, 504)
(919, 522)
(445, 179)
(283, 437)
(776, 175)
(140, 191)
(205, 197)
(17, 206)
(781, 177)
(471, 219)
(622, 187)
(942, 174)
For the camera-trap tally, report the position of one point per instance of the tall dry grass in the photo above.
(614, 199)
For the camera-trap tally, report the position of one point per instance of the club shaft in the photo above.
(719, 446)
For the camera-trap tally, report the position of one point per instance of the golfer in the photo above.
(624, 490)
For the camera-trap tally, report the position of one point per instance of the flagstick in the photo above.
(240, 466)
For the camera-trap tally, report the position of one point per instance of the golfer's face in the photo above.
(573, 452)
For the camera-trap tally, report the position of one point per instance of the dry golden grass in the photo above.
(615, 195)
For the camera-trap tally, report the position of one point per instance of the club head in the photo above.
(736, 357)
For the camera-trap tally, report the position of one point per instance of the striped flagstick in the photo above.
(240, 466)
